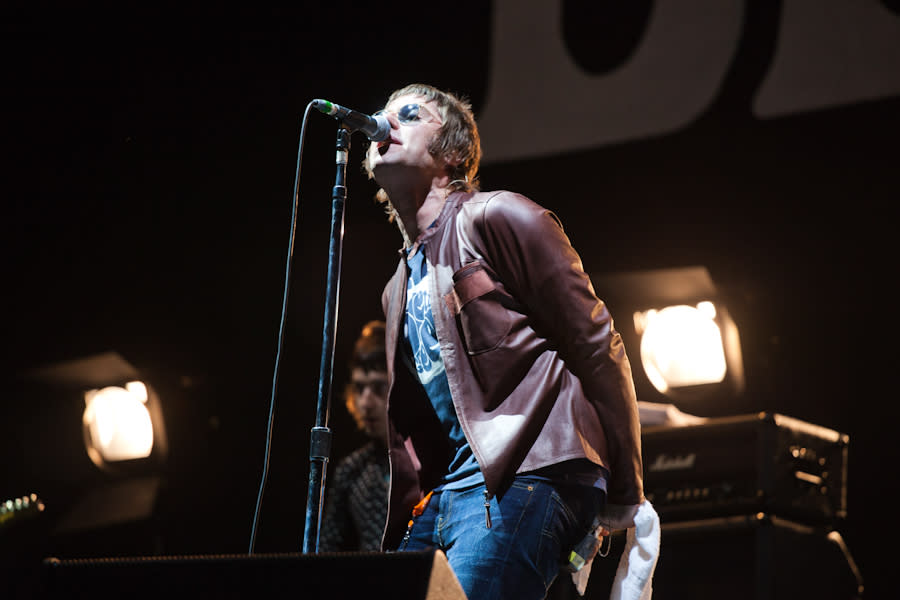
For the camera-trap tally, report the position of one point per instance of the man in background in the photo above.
(356, 498)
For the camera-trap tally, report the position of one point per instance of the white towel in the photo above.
(634, 576)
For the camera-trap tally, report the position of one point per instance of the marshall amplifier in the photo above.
(740, 557)
(743, 464)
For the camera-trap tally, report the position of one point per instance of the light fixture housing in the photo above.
(683, 344)
(122, 421)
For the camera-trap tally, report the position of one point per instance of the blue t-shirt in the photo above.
(463, 470)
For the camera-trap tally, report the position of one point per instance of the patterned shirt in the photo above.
(356, 502)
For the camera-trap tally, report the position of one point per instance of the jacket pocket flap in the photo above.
(470, 282)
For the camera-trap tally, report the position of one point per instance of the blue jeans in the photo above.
(534, 525)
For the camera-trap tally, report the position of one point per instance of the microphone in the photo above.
(376, 128)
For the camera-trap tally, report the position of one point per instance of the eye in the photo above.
(407, 113)
(379, 388)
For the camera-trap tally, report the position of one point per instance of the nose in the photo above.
(365, 397)
(392, 119)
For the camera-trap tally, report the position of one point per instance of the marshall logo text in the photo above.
(664, 462)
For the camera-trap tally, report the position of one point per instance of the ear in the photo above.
(452, 161)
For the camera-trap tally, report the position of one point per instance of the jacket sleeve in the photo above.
(534, 258)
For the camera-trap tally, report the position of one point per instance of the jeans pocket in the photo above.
(570, 516)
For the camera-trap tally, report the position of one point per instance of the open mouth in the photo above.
(385, 144)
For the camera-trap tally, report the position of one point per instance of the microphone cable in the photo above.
(284, 306)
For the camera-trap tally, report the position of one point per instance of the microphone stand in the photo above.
(320, 436)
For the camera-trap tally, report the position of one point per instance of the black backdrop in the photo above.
(148, 167)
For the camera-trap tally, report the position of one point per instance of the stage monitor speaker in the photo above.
(422, 575)
(749, 557)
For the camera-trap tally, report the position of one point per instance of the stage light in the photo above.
(100, 452)
(122, 426)
(683, 344)
(117, 424)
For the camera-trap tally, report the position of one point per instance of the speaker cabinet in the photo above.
(752, 557)
(422, 575)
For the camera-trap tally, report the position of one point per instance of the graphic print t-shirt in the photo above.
(463, 470)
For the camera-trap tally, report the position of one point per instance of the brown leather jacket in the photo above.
(537, 372)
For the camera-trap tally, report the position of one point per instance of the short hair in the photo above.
(368, 351)
(457, 139)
